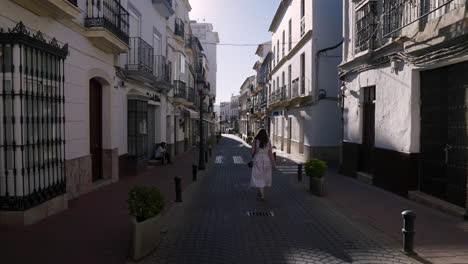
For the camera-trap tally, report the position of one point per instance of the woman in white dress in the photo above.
(263, 162)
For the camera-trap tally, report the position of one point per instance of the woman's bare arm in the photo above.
(272, 158)
(254, 147)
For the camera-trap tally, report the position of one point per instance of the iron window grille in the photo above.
(108, 14)
(398, 14)
(137, 128)
(32, 110)
(365, 27)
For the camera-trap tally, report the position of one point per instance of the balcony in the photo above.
(302, 27)
(59, 9)
(162, 69)
(398, 14)
(179, 28)
(165, 7)
(180, 91)
(107, 25)
(191, 94)
(140, 61)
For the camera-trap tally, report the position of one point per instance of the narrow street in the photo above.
(212, 224)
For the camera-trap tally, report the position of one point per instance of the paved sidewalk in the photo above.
(96, 228)
(440, 238)
(212, 225)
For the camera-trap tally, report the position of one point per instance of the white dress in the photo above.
(262, 169)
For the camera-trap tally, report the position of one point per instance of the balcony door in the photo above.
(135, 23)
(157, 45)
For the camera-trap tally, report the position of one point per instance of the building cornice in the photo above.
(279, 15)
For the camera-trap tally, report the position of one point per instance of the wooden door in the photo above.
(368, 132)
(95, 128)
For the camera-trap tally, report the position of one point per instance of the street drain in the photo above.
(259, 213)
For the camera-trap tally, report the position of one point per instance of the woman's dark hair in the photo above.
(262, 137)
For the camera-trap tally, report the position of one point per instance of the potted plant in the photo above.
(316, 169)
(145, 204)
(249, 140)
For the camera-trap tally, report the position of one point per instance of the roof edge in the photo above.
(279, 13)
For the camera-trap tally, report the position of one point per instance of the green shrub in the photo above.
(211, 141)
(249, 139)
(315, 168)
(145, 201)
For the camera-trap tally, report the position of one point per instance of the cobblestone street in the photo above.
(212, 225)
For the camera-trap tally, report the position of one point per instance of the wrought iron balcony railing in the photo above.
(162, 68)
(189, 41)
(179, 28)
(398, 14)
(191, 94)
(140, 57)
(108, 14)
(180, 89)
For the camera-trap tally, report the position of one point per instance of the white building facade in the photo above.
(90, 96)
(302, 102)
(403, 98)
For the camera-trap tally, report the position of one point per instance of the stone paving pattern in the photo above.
(211, 225)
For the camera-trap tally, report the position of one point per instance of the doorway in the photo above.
(151, 131)
(368, 131)
(95, 128)
(444, 144)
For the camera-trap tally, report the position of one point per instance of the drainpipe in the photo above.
(317, 64)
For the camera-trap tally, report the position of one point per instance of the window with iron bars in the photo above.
(398, 14)
(365, 27)
(32, 107)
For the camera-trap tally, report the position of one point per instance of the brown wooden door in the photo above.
(95, 128)
(368, 132)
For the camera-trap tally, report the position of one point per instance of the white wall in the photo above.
(396, 108)
(84, 61)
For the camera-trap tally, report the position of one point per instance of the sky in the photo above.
(237, 22)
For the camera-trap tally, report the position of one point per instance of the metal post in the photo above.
(178, 189)
(408, 231)
(209, 151)
(299, 172)
(194, 172)
(201, 161)
(274, 154)
(206, 156)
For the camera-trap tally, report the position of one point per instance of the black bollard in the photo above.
(299, 172)
(274, 154)
(206, 156)
(209, 151)
(178, 189)
(194, 172)
(408, 232)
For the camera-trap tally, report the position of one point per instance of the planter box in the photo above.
(146, 236)
(316, 186)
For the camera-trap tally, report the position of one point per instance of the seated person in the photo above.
(161, 153)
